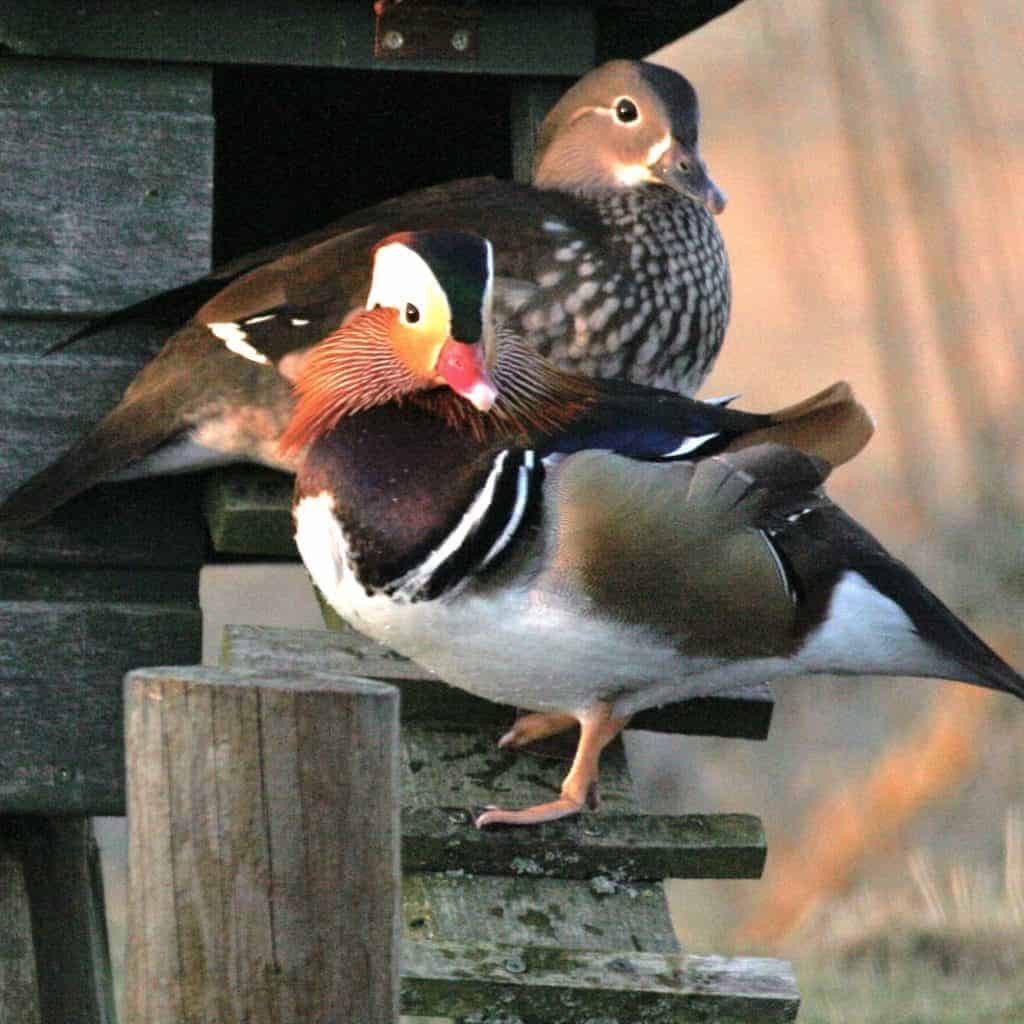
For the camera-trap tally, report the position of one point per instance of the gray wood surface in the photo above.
(527, 910)
(61, 887)
(66, 640)
(263, 848)
(106, 182)
(742, 712)
(538, 985)
(621, 847)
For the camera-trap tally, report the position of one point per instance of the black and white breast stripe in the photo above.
(507, 500)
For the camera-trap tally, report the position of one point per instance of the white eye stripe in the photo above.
(402, 277)
(659, 149)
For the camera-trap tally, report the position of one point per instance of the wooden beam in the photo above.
(527, 39)
(540, 986)
(263, 848)
(66, 640)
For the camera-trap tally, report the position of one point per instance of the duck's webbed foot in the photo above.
(597, 729)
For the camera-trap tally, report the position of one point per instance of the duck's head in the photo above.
(427, 324)
(624, 124)
(428, 336)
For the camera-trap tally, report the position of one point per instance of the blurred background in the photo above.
(872, 153)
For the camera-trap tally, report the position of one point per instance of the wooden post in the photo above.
(263, 848)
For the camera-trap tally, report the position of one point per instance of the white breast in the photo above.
(508, 644)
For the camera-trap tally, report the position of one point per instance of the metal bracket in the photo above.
(425, 31)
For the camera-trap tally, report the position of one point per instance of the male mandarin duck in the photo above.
(582, 548)
(610, 261)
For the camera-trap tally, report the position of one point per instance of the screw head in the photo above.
(460, 39)
(393, 39)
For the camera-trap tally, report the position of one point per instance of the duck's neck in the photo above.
(420, 504)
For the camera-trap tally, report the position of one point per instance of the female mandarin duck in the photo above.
(581, 548)
(610, 261)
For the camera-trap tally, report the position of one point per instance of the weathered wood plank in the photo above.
(101, 86)
(61, 663)
(618, 847)
(61, 876)
(102, 201)
(265, 885)
(537, 985)
(542, 39)
(740, 712)
(532, 911)
(64, 388)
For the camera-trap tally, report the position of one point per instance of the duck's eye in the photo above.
(626, 110)
(412, 314)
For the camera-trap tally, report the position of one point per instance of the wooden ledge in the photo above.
(536, 984)
(609, 849)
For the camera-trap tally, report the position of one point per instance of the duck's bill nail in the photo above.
(714, 198)
(461, 366)
(682, 168)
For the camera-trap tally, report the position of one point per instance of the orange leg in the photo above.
(536, 726)
(597, 730)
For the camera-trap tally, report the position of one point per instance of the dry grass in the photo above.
(906, 992)
(946, 949)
